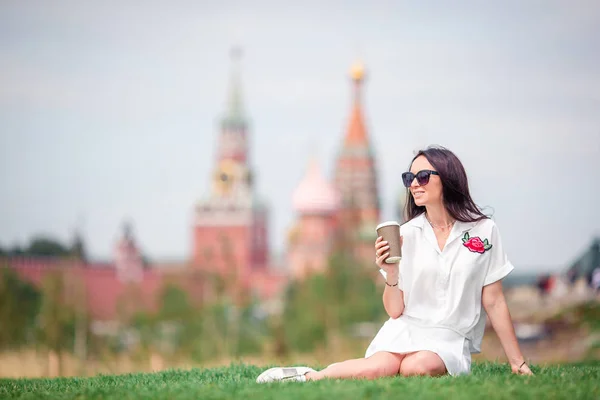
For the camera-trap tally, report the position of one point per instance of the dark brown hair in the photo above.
(455, 187)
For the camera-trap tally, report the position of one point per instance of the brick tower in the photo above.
(356, 178)
(230, 227)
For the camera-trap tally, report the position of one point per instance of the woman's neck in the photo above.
(438, 216)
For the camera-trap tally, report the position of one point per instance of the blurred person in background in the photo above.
(595, 281)
(543, 284)
(438, 295)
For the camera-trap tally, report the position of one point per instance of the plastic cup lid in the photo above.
(387, 223)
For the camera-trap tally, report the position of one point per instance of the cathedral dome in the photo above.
(314, 194)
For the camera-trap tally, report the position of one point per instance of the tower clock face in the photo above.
(225, 176)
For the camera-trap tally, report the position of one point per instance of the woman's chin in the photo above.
(419, 203)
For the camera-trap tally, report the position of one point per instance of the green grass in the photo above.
(488, 381)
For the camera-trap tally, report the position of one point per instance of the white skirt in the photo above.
(403, 335)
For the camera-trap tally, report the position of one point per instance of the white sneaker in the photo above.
(294, 374)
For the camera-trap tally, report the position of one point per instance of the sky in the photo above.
(109, 111)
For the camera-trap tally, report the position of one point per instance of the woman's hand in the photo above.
(521, 369)
(382, 253)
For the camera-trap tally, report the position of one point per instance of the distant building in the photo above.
(230, 241)
(101, 287)
(230, 234)
(347, 210)
(230, 228)
(312, 239)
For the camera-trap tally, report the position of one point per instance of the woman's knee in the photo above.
(386, 364)
(422, 364)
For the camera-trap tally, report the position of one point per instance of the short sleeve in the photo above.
(399, 278)
(498, 264)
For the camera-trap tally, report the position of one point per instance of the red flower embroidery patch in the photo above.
(475, 244)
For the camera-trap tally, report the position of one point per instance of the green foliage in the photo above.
(47, 247)
(215, 329)
(42, 246)
(57, 316)
(330, 303)
(304, 317)
(19, 305)
(488, 380)
(175, 304)
(252, 331)
(590, 315)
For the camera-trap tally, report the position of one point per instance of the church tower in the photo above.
(312, 239)
(230, 227)
(128, 259)
(356, 178)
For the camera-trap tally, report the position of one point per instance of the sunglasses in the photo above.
(422, 177)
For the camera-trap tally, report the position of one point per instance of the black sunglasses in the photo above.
(422, 177)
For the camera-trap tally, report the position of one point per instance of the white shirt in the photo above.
(443, 288)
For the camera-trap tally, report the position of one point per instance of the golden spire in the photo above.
(357, 71)
(356, 134)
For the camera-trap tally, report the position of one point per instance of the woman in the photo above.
(437, 297)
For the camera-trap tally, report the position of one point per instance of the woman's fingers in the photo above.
(525, 370)
(380, 244)
(381, 250)
(381, 259)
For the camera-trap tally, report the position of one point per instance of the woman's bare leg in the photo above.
(378, 365)
(422, 363)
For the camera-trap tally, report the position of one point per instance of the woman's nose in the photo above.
(414, 182)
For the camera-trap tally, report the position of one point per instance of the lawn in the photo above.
(488, 381)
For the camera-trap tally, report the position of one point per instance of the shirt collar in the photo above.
(462, 227)
(457, 231)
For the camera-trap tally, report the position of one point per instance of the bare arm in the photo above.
(494, 303)
(393, 297)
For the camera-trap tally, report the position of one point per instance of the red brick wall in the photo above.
(223, 249)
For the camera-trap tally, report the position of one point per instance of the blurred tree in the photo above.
(181, 325)
(251, 331)
(324, 306)
(57, 318)
(19, 305)
(175, 329)
(304, 313)
(175, 304)
(16, 251)
(42, 246)
(145, 325)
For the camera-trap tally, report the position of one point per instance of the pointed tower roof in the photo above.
(127, 240)
(234, 115)
(356, 134)
(314, 194)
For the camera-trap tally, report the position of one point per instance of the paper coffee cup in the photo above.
(390, 231)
